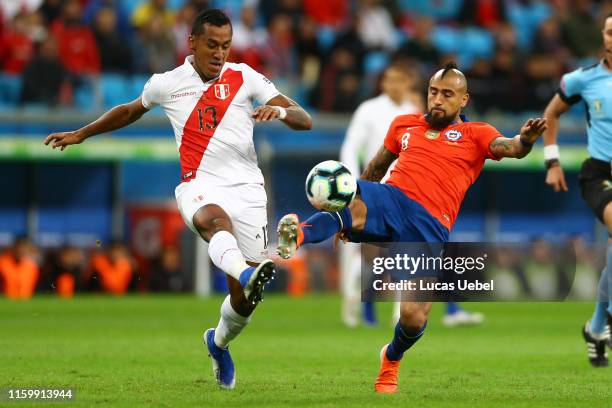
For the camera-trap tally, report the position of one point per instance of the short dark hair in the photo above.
(215, 17)
(449, 66)
(403, 66)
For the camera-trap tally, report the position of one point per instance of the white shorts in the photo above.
(245, 204)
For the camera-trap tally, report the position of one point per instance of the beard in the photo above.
(439, 122)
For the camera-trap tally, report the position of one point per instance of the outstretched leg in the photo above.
(320, 226)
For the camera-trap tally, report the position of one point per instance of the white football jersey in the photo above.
(212, 120)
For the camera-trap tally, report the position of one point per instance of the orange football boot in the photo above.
(386, 382)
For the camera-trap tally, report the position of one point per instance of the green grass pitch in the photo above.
(147, 351)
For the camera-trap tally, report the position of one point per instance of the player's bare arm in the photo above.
(377, 168)
(116, 118)
(555, 176)
(520, 145)
(284, 108)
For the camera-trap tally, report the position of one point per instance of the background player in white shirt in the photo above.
(364, 136)
(221, 195)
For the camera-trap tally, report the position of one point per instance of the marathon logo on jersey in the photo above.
(453, 135)
(222, 91)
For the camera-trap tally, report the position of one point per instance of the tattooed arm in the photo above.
(520, 145)
(378, 166)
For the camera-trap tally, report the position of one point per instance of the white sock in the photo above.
(223, 251)
(230, 325)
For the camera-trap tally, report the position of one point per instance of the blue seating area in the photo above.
(10, 89)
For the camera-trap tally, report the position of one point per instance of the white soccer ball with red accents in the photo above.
(330, 186)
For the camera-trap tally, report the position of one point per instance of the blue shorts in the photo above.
(406, 225)
(394, 217)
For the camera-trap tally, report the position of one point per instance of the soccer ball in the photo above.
(330, 186)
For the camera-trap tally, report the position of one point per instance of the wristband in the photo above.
(282, 112)
(552, 163)
(551, 152)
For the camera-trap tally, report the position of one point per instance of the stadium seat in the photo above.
(138, 83)
(375, 62)
(445, 39)
(440, 9)
(116, 89)
(527, 19)
(477, 42)
(84, 96)
(10, 89)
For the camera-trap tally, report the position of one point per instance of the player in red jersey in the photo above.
(221, 196)
(439, 155)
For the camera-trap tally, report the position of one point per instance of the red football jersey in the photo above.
(436, 167)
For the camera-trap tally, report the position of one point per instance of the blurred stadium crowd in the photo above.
(87, 55)
(91, 54)
(534, 271)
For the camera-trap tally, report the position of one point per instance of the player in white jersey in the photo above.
(221, 195)
(365, 134)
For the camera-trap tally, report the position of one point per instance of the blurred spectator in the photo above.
(580, 29)
(115, 55)
(505, 38)
(548, 38)
(338, 89)
(507, 274)
(152, 9)
(182, 30)
(480, 79)
(278, 52)
(376, 28)
(111, 270)
(166, 274)
(10, 8)
(16, 45)
(77, 45)
(504, 82)
(19, 272)
(327, 12)
(541, 80)
(246, 34)
(419, 47)
(154, 50)
(92, 8)
(51, 10)
(308, 52)
(45, 79)
(583, 268)
(483, 13)
(66, 269)
(542, 272)
(271, 8)
(350, 40)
